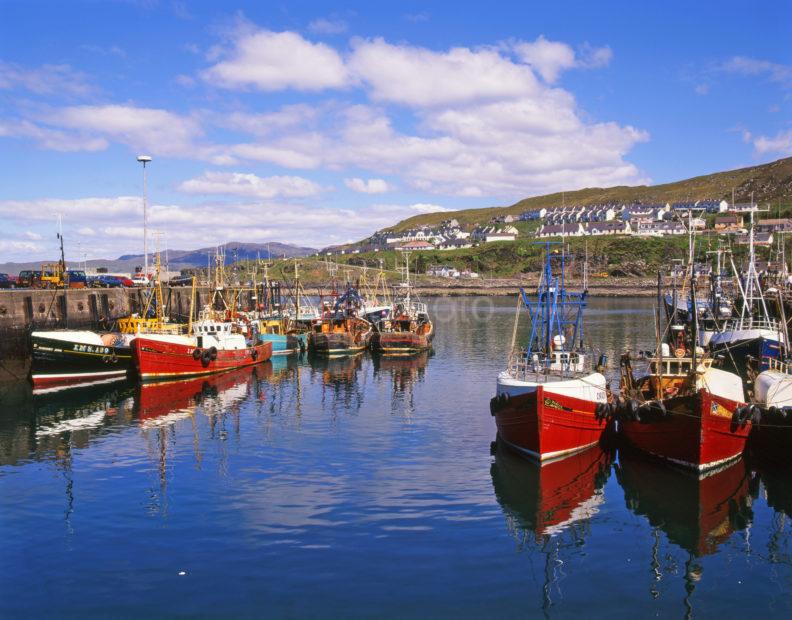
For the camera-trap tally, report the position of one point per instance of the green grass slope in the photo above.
(770, 183)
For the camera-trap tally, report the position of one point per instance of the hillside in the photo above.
(769, 183)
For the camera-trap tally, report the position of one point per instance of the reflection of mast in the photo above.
(693, 572)
(63, 460)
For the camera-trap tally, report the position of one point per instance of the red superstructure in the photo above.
(160, 357)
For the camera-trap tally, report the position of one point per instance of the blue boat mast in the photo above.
(554, 312)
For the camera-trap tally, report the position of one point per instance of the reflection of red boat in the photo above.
(697, 513)
(549, 497)
(164, 397)
(771, 437)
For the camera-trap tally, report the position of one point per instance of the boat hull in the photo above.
(284, 344)
(155, 359)
(61, 362)
(545, 424)
(697, 432)
(736, 346)
(400, 343)
(334, 344)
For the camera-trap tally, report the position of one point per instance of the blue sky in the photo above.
(318, 123)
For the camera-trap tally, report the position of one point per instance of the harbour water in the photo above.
(368, 487)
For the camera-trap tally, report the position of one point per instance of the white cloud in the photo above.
(18, 248)
(550, 58)
(744, 65)
(328, 26)
(45, 80)
(271, 61)
(370, 186)
(33, 236)
(52, 139)
(421, 77)
(194, 226)
(151, 129)
(781, 143)
(241, 184)
(422, 207)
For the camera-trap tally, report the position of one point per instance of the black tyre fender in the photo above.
(206, 357)
(213, 353)
(254, 353)
(196, 354)
(631, 410)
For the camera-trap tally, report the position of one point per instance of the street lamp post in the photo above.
(144, 159)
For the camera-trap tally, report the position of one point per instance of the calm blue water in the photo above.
(360, 488)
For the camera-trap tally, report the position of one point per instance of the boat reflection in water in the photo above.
(404, 370)
(403, 373)
(341, 389)
(546, 499)
(165, 402)
(697, 513)
(50, 425)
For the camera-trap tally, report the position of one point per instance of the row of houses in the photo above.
(623, 211)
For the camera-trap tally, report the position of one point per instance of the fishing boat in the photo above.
(755, 334)
(683, 410)
(407, 329)
(550, 402)
(211, 346)
(67, 357)
(340, 330)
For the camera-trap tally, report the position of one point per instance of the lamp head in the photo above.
(144, 159)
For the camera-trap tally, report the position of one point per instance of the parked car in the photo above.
(108, 281)
(7, 281)
(29, 278)
(76, 278)
(139, 280)
(181, 281)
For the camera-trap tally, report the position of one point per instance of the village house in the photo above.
(760, 238)
(416, 246)
(454, 244)
(775, 225)
(728, 223)
(488, 234)
(442, 271)
(535, 214)
(607, 228)
(503, 219)
(560, 230)
(656, 229)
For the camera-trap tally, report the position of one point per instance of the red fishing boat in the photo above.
(550, 402)
(214, 346)
(684, 410)
(546, 498)
(407, 328)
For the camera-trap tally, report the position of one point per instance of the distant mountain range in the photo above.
(179, 259)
